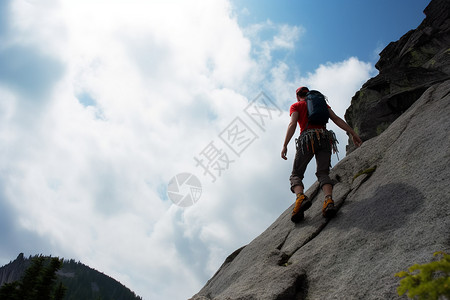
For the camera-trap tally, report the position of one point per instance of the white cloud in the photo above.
(287, 37)
(376, 52)
(269, 37)
(163, 79)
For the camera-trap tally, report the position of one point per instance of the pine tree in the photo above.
(38, 283)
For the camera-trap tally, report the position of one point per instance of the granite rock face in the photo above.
(420, 59)
(392, 192)
(394, 206)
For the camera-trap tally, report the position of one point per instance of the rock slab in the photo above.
(392, 192)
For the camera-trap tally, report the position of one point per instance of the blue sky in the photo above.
(340, 29)
(103, 103)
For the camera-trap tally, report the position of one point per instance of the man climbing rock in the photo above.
(312, 113)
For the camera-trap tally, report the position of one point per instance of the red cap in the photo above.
(304, 88)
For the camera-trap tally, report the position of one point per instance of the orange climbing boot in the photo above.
(328, 209)
(302, 203)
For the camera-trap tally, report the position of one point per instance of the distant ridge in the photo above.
(81, 281)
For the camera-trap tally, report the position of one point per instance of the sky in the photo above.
(143, 138)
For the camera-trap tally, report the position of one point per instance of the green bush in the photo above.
(428, 281)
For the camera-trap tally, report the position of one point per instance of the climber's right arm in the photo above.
(290, 132)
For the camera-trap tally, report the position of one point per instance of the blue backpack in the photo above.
(317, 108)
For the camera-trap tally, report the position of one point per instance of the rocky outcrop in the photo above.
(391, 192)
(420, 59)
(14, 270)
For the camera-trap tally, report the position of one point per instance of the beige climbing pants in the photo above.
(317, 143)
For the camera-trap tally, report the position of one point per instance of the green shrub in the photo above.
(366, 171)
(427, 281)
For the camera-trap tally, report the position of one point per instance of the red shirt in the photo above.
(300, 107)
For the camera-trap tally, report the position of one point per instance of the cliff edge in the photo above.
(407, 68)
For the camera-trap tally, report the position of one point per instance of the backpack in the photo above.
(317, 108)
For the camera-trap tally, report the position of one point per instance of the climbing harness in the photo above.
(310, 136)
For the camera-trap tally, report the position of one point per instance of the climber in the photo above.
(315, 140)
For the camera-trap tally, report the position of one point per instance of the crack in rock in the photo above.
(285, 257)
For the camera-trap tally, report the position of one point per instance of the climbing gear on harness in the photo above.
(310, 136)
(302, 203)
(328, 209)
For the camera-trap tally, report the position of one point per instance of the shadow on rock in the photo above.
(388, 208)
